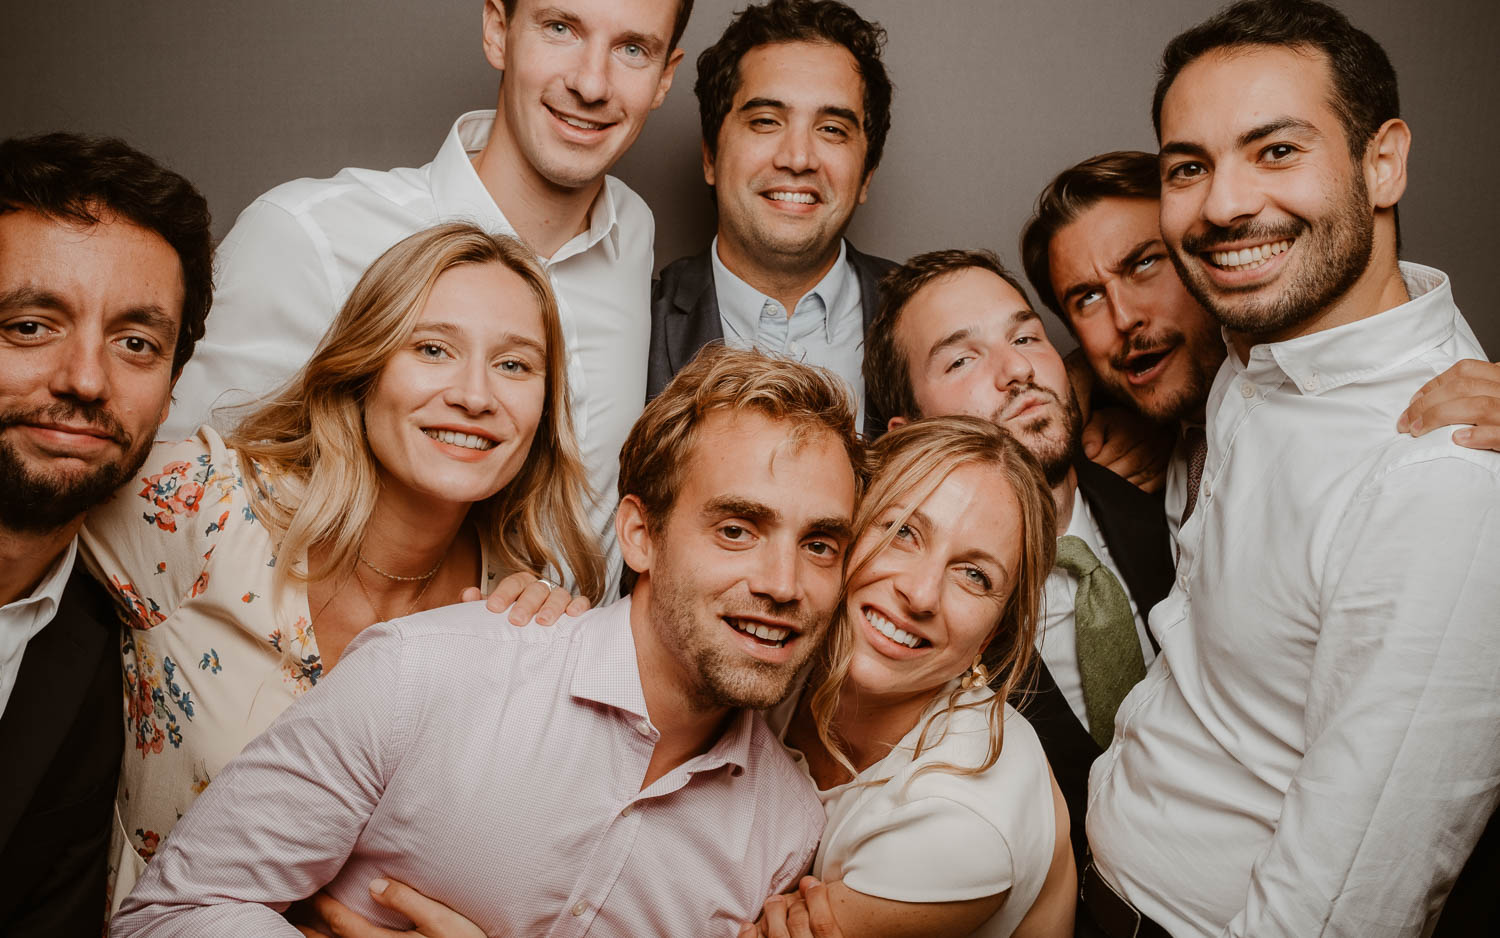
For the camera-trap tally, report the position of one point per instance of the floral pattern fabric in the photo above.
(213, 650)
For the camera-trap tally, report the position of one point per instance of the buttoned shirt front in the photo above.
(23, 618)
(497, 770)
(827, 327)
(1317, 748)
(295, 254)
(1057, 641)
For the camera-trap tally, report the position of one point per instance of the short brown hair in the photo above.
(656, 453)
(887, 373)
(1122, 174)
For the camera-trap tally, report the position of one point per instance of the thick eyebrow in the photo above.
(835, 527)
(838, 110)
(735, 506)
(959, 336)
(754, 103)
(1254, 134)
(149, 315)
(1134, 255)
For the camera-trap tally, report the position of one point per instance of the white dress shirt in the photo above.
(1317, 748)
(295, 254)
(23, 618)
(827, 327)
(1174, 493)
(1057, 641)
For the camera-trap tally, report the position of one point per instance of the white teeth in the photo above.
(806, 198)
(580, 124)
(887, 628)
(1248, 258)
(467, 440)
(770, 633)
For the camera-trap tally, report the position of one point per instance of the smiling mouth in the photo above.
(800, 198)
(579, 122)
(772, 636)
(466, 440)
(888, 628)
(1248, 258)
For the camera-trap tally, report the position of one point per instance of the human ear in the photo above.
(495, 26)
(1384, 163)
(896, 423)
(633, 532)
(708, 164)
(664, 84)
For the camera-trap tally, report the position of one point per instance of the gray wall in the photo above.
(992, 99)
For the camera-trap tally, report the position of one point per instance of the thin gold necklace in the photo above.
(369, 601)
(404, 579)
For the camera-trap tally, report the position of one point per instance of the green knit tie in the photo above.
(1109, 650)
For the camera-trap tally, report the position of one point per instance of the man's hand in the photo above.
(332, 919)
(807, 914)
(528, 595)
(1469, 392)
(1130, 446)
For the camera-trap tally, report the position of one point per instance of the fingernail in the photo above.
(1462, 436)
(1416, 426)
(1403, 423)
(377, 886)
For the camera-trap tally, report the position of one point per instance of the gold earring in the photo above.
(978, 675)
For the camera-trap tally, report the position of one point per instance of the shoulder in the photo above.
(1433, 461)
(869, 265)
(783, 784)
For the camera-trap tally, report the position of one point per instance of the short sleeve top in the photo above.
(213, 648)
(937, 836)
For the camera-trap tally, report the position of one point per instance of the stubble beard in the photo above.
(1054, 439)
(1334, 251)
(37, 502)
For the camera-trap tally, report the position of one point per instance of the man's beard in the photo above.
(1057, 450)
(1161, 404)
(1334, 250)
(36, 502)
(722, 678)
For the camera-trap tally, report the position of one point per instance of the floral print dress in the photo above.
(212, 650)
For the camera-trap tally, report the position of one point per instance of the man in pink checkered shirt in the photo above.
(607, 776)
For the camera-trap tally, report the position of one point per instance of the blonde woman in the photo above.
(943, 818)
(426, 448)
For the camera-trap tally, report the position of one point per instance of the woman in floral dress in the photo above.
(426, 447)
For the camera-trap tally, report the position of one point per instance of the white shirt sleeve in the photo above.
(1402, 765)
(930, 849)
(274, 297)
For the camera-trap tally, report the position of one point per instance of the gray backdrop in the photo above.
(992, 99)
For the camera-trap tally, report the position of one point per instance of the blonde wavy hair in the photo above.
(906, 466)
(314, 480)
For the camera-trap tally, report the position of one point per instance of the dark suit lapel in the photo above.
(56, 668)
(869, 270)
(694, 319)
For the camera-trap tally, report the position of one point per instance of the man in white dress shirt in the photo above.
(1318, 747)
(795, 105)
(580, 79)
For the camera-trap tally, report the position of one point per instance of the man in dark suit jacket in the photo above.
(105, 261)
(955, 335)
(795, 107)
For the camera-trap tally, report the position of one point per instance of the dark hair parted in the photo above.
(887, 373)
(1122, 174)
(91, 180)
(795, 21)
(1364, 83)
(684, 10)
(660, 446)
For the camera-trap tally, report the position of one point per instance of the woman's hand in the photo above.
(805, 914)
(1468, 392)
(432, 919)
(529, 597)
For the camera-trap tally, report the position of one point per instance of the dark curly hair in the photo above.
(89, 179)
(795, 21)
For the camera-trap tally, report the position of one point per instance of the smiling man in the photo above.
(1318, 752)
(593, 757)
(955, 335)
(104, 286)
(580, 78)
(795, 106)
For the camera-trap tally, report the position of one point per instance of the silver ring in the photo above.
(548, 583)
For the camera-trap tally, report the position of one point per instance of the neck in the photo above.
(786, 285)
(870, 726)
(1062, 497)
(545, 215)
(25, 558)
(408, 539)
(1378, 289)
(688, 724)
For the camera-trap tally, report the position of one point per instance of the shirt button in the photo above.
(1208, 493)
(625, 811)
(579, 908)
(1311, 384)
(643, 728)
(1247, 389)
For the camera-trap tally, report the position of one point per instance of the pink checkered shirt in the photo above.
(496, 770)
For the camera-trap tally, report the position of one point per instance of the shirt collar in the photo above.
(42, 604)
(609, 674)
(1332, 358)
(741, 303)
(458, 192)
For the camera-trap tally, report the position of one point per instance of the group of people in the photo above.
(458, 577)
